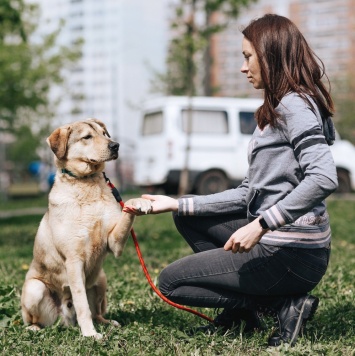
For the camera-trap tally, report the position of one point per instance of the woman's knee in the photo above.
(164, 283)
(173, 275)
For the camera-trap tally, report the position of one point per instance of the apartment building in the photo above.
(122, 44)
(328, 26)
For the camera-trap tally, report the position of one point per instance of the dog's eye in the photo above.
(87, 137)
(69, 305)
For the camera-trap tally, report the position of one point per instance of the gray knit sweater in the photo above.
(291, 172)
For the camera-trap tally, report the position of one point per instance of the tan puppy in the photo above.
(83, 223)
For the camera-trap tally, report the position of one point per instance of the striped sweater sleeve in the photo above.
(228, 202)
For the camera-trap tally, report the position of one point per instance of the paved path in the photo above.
(21, 212)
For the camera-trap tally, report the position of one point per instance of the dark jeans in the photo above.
(216, 278)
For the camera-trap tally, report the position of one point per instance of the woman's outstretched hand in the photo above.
(160, 204)
(245, 238)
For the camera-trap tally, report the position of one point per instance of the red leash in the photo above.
(118, 198)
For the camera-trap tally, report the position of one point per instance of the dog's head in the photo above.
(83, 146)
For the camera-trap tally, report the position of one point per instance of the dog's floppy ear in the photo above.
(102, 125)
(58, 141)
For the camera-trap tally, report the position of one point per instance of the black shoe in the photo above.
(292, 316)
(232, 318)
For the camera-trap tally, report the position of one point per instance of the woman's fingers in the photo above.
(160, 204)
(229, 244)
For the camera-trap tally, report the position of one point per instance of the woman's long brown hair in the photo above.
(287, 65)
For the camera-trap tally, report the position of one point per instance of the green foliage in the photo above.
(189, 48)
(24, 151)
(150, 326)
(29, 68)
(10, 19)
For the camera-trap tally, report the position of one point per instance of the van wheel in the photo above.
(212, 182)
(343, 181)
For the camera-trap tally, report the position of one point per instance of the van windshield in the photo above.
(247, 122)
(152, 123)
(206, 121)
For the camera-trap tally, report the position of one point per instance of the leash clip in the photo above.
(114, 190)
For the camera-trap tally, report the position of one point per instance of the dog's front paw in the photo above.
(138, 206)
(98, 336)
(95, 335)
(33, 327)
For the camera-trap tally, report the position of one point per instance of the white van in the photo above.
(221, 129)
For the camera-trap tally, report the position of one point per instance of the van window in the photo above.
(206, 121)
(247, 122)
(153, 123)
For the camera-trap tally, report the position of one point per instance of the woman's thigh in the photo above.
(265, 270)
(217, 269)
(205, 233)
(302, 270)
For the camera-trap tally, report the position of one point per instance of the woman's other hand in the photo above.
(245, 238)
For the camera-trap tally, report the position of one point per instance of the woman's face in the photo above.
(251, 65)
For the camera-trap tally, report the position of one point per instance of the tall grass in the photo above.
(151, 327)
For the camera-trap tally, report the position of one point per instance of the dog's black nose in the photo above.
(113, 146)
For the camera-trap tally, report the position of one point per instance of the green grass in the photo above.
(150, 326)
(23, 203)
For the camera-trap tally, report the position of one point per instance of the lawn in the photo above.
(150, 326)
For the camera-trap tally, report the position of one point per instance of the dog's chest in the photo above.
(100, 217)
(89, 215)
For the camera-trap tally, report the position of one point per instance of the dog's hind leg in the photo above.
(98, 301)
(67, 309)
(39, 308)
